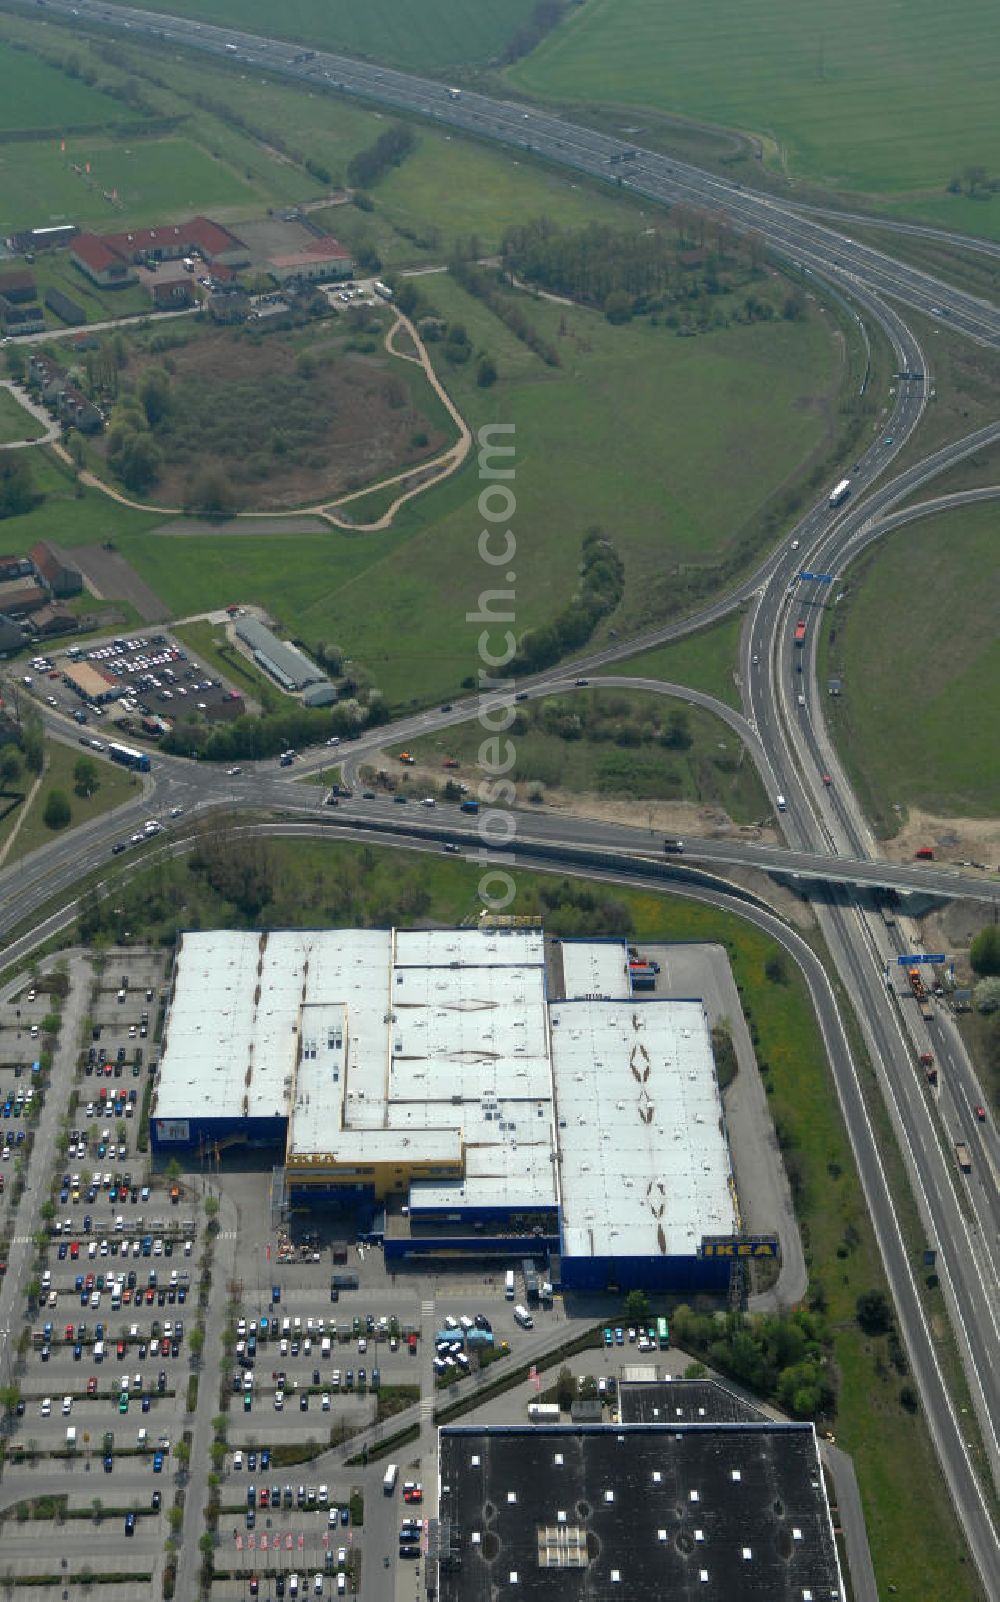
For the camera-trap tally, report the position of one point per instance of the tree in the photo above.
(984, 952)
(10, 767)
(486, 372)
(211, 492)
(85, 775)
(32, 741)
(17, 487)
(565, 1389)
(57, 813)
(874, 1313)
(154, 393)
(140, 460)
(637, 1307)
(775, 969)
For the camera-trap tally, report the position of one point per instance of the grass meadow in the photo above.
(15, 422)
(704, 661)
(867, 95)
(421, 34)
(34, 95)
(154, 178)
(921, 679)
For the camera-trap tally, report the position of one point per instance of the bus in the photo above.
(662, 1334)
(128, 758)
(840, 492)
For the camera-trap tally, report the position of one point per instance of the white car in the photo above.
(67, 1406)
(46, 1407)
(237, 1462)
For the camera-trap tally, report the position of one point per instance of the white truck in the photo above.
(389, 1479)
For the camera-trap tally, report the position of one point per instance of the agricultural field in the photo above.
(15, 422)
(609, 745)
(636, 430)
(289, 419)
(863, 97)
(154, 179)
(918, 733)
(421, 34)
(34, 95)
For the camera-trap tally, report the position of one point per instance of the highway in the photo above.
(827, 837)
(800, 237)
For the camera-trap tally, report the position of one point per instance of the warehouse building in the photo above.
(289, 666)
(714, 1511)
(426, 1080)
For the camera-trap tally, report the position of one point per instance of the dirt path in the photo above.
(449, 461)
(431, 473)
(26, 806)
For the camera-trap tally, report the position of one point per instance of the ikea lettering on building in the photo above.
(754, 1246)
(461, 1092)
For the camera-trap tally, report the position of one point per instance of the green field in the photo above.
(115, 786)
(64, 516)
(624, 744)
(35, 95)
(867, 95)
(425, 34)
(156, 180)
(704, 661)
(641, 432)
(15, 422)
(921, 679)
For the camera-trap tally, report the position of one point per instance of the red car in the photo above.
(981, 1114)
(265, 1496)
(92, 1385)
(150, 1296)
(74, 1249)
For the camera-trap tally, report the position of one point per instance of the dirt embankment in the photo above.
(962, 842)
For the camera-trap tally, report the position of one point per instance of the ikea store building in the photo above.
(462, 1092)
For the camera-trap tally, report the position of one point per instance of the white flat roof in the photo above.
(595, 968)
(644, 1165)
(424, 1046)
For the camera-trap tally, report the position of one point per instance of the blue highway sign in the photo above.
(816, 578)
(935, 957)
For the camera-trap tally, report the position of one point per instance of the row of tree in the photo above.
(255, 738)
(390, 149)
(485, 285)
(602, 585)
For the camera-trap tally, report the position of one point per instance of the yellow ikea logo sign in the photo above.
(741, 1246)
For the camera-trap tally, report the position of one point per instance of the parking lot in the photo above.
(128, 685)
(313, 1352)
(102, 1364)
